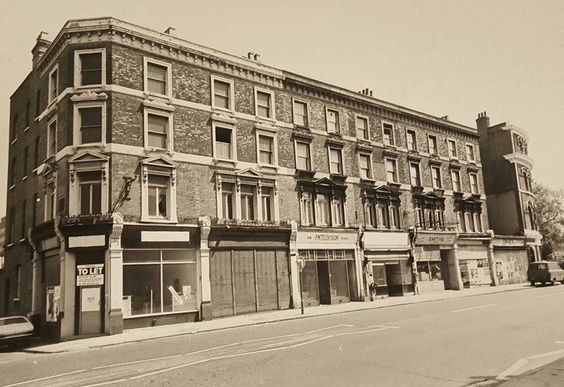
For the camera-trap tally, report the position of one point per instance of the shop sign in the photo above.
(376, 240)
(90, 275)
(435, 239)
(312, 240)
(508, 242)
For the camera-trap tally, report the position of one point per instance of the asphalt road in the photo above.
(480, 340)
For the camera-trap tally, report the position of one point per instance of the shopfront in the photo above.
(386, 257)
(249, 270)
(475, 268)
(160, 275)
(331, 273)
(511, 259)
(436, 262)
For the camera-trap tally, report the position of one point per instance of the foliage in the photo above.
(549, 208)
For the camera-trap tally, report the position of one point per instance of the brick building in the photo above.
(510, 198)
(153, 180)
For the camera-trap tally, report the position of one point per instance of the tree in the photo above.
(549, 209)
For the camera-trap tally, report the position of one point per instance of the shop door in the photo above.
(324, 278)
(90, 318)
(244, 290)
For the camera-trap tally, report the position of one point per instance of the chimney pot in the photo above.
(41, 45)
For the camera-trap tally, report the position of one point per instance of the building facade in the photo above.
(510, 198)
(153, 180)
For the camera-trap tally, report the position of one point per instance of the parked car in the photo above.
(15, 330)
(545, 273)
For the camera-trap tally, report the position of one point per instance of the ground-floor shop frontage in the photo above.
(512, 257)
(475, 260)
(436, 261)
(249, 271)
(387, 263)
(331, 272)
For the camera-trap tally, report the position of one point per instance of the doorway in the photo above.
(90, 317)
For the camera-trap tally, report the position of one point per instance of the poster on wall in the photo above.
(52, 305)
(90, 299)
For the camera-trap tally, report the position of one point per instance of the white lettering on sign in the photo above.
(434, 239)
(326, 239)
(87, 275)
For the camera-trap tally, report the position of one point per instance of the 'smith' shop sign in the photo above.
(90, 275)
(435, 239)
(326, 240)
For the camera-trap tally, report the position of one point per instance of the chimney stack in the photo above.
(41, 45)
(483, 121)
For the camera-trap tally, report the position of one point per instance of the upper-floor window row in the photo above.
(90, 67)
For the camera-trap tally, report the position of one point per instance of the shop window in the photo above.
(222, 93)
(300, 111)
(432, 142)
(365, 166)
(89, 67)
(264, 104)
(362, 127)
(158, 77)
(388, 130)
(332, 117)
(90, 192)
(159, 281)
(303, 158)
(411, 141)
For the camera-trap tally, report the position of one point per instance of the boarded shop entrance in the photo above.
(328, 276)
(249, 280)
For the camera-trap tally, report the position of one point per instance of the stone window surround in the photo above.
(308, 143)
(307, 107)
(429, 137)
(231, 96)
(370, 168)
(407, 132)
(450, 140)
(395, 161)
(418, 166)
(78, 164)
(254, 180)
(78, 68)
(53, 119)
(272, 103)
(438, 168)
(76, 120)
(332, 193)
(267, 132)
(163, 111)
(146, 61)
(162, 167)
(50, 180)
(342, 161)
(393, 136)
(338, 116)
(367, 120)
(468, 159)
(225, 124)
(50, 98)
(470, 174)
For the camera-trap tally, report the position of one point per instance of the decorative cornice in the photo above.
(88, 96)
(520, 158)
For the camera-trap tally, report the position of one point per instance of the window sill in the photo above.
(268, 168)
(157, 220)
(14, 141)
(228, 162)
(24, 178)
(148, 94)
(17, 299)
(26, 128)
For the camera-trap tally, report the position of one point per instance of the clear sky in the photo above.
(442, 57)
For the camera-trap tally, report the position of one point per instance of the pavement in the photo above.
(142, 334)
(546, 376)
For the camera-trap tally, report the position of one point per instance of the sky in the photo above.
(441, 57)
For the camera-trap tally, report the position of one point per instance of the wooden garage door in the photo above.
(283, 272)
(244, 281)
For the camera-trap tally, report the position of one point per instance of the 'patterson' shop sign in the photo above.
(435, 239)
(326, 240)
